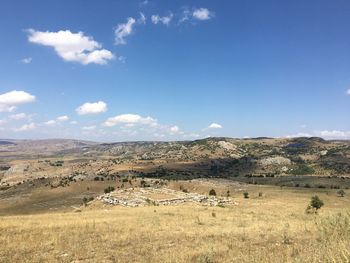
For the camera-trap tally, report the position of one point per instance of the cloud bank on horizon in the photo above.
(128, 124)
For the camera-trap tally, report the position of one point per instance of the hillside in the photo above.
(239, 159)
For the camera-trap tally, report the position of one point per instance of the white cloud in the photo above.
(174, 129)
(18, 116)
(142, 19)
(348, 92)
(89, 128)
(130, 119)
(185, 15)
(26, 60)
(124, 30)
(73, 47)
(27, 127)
(335, 134)
(145, 2)
(2, 122)
(299, 134)
(50, 123)
(214, 126)
(202, 14)
(325, 134)
(62, 118)
(58, 120)
(122, 59)
(73, 122)
(9, 100)
(164, 20)
(92, 108)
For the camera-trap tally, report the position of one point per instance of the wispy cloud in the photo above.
(124, 30)
(334, 134)
(202, 14)
(299, 134)
(26, 60)
(58, 120)
(27, 127)
(165, 20)
(89, 128)
(63, 118)
(19, 116)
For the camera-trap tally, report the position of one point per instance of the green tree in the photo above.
(316, 202)
(212, 192)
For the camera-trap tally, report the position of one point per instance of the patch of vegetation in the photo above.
(212, 192)
(56, 163)
(341, 193)
(315, 204)
(302, 169)
(109, 189)
(87, 200)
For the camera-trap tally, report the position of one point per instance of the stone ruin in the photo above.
(134, 197)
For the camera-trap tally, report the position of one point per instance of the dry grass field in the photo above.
(271, 228)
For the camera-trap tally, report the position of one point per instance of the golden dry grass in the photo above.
(274, 228)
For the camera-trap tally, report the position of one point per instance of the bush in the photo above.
(87, 199)
(212, 192)
(246, 195)
(316, 203)
(341, 193)
(109, 189)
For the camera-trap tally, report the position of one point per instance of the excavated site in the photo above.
(134, 197)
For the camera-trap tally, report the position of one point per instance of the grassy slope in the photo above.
(273, 228)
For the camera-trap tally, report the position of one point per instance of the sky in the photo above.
(174, 70)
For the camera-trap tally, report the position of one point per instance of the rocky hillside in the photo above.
(211, 157)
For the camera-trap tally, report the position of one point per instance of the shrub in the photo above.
(246, 195)
(212, 192)
(341, 193)
(109, 189)
(316, 203)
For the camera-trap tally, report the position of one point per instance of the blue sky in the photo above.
(174, 70)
